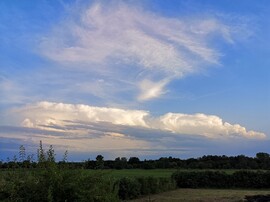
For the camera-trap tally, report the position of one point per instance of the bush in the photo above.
(248, 179)
(216, 179)
(129, 188)
(57, 185)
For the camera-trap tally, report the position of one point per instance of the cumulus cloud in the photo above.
(206, 125)
(49, 113)
(209, 126)
(131, 44)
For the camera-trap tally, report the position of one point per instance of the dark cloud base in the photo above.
(161, 143)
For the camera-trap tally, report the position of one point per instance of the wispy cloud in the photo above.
(151, 89)
(11, 92)
(141, 50)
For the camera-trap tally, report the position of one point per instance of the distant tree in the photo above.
(263, 160)
(22, 153)
(120, 163)
(41, 154)
(134, 160)
(88, 164)
(65, 156)
(262, 156)
(242, 162)
(30, 158)
(51, 155)
(99, 162)
(15, 159)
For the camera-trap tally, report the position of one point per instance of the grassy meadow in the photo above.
(132, 173)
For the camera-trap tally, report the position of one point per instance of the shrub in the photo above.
(215, 179)
(133, 188)
(129, 188)
(54, 184)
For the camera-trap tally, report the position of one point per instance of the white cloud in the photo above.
(210, 126)
(206, 125)
(42, 113)
(135, 46)
(27, 123)
(151, 89)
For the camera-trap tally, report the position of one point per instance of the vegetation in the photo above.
(217, 179)
(260, 161)
(23, 179)
(130, 188)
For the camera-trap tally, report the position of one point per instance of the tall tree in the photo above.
(41, 153)
(51, 155)
(22, 154)
(99, 162)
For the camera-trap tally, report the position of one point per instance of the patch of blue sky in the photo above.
(237, 89)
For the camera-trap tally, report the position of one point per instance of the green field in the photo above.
(134, 173)
(202, 195)
(149, 173)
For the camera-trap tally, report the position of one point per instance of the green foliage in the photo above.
(97, 188)
(100, 162)
(65, 156)
(41, 154)
(120, 163)
(63, 181)
(51, 155)
(216, 179)
(54, 184)
(130, 188)
(22, 153)
(206, 179)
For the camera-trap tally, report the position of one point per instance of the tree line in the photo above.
(260, 161)
(61, 181)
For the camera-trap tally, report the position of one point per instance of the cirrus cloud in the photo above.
(135, 46)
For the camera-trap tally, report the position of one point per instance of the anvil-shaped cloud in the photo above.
(49, 114)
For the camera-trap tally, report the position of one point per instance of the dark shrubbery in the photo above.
(207, 179)
(58, 184)
(249, 179)
(130, 188)
(55, 184)
(216, 179)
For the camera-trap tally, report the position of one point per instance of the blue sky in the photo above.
(146, 78)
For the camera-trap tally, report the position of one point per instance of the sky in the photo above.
(147, 78)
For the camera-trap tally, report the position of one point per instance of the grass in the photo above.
(134, 173)
(152, 172)
(202, 195)
(131, 172)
